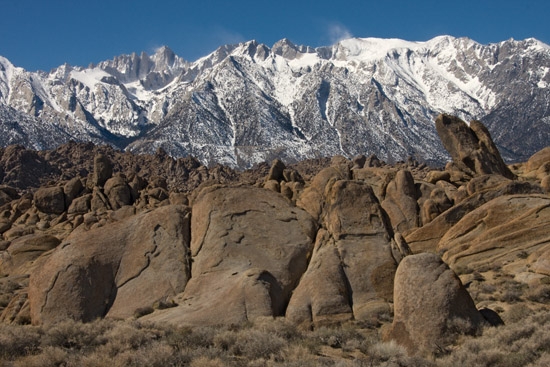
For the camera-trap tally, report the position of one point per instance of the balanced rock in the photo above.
(471, 147)
(276, 171)
(72, 189)
(50, 200)
(431, 306)
(118, 192)
(103, 170)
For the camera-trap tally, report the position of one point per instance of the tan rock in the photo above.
(81, 205)
(312, 199)
(99, 201)
(72, 189)
(426, 238)
(250, 247)
(114, 270)
(103, 170)
(485, 182)
(361, 231)
(400, 202)
(435, 176)
(471, 147)
(431, 306)
(118, 192)
(272, 185)
(498, 231)
(276, 171)
(323, 295)
(538, 159)
(18, 258)
(545, 184)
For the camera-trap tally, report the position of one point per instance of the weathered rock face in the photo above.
(426, 238)
(471, 147)
(114, 270)
(538, 159)
(353, 256)
(400, 202)
(329, 303)
(498, 231)
(256, 248)
(17, 260)
(431, 306)
(250, 246)
(312, 200)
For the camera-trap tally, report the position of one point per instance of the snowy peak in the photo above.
(289, 50)
(370, 49)
(246, 103)
(164, 64)
(164, 58)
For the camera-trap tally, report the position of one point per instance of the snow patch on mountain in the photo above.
(247, 102)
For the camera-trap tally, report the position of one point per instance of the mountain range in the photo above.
(248, 103)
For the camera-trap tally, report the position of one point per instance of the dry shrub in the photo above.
(4, 300)
(184, 338)
(151, 355)
(516, 313)
(277, 326)
(49, 357)
(512, 290)
(257, 344)
(540, 293)
(75, 335)
(386, 351)
(129, 336)
(513, 345)
(17, 341)
(297, 353)
(336, 337)
(207, 362)
(543, 361)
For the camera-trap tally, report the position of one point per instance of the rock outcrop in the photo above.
(114, 270)
(249, 248)
(102, 233)
(431, 306)
(498, 231)
(353, 256)
(471, 147)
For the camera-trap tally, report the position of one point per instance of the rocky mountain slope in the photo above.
(116, 235)
(248, 103)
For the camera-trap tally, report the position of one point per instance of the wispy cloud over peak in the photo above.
(337, 32)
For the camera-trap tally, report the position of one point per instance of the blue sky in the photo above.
(42, 34)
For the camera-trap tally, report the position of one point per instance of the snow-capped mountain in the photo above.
(249, 103)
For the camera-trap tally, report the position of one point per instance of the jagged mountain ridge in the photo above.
(248, 103)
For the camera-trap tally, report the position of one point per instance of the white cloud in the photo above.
(337, 32)
(223, 36)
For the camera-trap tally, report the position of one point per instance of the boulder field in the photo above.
(89, 232)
